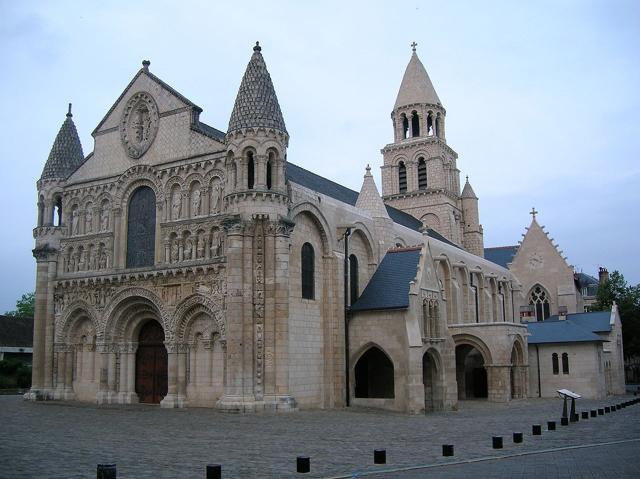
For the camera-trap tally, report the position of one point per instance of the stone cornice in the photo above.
(413, 142)
(418, 193)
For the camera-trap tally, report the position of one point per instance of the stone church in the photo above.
(188, 266)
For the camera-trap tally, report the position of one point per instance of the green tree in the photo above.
(628, 300)
(25, 306)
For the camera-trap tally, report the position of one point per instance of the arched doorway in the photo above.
(470, 373)
(374, 375)
(151, 364)
(517, 377)
(433, 391)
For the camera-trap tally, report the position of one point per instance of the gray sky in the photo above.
(542, 99)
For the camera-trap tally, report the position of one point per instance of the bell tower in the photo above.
(420, 175)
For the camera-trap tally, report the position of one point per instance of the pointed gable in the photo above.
(256, 104)
(369, 198)
(416, 86)
(66, 153)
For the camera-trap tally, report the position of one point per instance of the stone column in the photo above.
(498, 380)
(182, 375)
(132, 396)
(112, 386)
(68, 374)
(39, 324)
(120, 235)
(103, 396)
(60, 370)
(171, 399)
(261, 172)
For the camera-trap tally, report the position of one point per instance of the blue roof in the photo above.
(597, 321)
(501, 255)
(322, 185)
(389, 286)
(545, 332)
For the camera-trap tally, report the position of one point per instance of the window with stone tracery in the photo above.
(430, 319)
(539, 298)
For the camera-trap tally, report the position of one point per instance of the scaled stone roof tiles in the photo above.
(66, 153)
(256, 104)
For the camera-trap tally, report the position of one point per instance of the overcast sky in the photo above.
(542, 99)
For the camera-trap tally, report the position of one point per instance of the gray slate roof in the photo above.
(389, 286)
(256, 104)
(501, 255)
(302, 177)
(586, 281)
(578, 327)
(66, 153)
(16, 332)
(547, 332)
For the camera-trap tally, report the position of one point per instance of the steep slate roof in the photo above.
(586, 281)
(416, 86)
(256, 104)
(501, 255)
(596, 321)
(389, 286)
(322, 185)
(66, 153)
(546, 332)
(16, 332)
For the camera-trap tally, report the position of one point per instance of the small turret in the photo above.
(257, 141)
(369, 199)
(472, 230)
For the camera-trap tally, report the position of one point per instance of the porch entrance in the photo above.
(151, 364)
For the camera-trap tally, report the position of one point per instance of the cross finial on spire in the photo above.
(69, 115)
(467, 178)
(413, 46)
(533, 212)
(257, 48)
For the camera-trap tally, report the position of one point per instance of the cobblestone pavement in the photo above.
(67, 440)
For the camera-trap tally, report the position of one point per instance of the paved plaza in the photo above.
(67, 440)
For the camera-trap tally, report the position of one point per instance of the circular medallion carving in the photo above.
(139, 124)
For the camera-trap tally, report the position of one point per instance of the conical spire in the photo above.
(416, 85)
(369, 199)
(66, 153)
(467, 191)
(256, 104)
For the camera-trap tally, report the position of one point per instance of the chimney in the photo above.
(603, 275)
(562, 313)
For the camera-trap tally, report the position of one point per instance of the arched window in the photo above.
(422, 174)
(402, 177)
(554, 363)
(307, 262)
(405, 126)
(270, 165)
(374, 375)
(353, 278)
(57, 211)
(430, 125)
(539, 298)
(141, 228)
(415, 123)
(565, 363)
(250, 170)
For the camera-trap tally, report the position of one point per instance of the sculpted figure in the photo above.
(188, 249)
(215, 198)
(103, 261)
(89, 221)
(72, 263)
(176, 205)
(195, 203)
(200, 247)
(104, 219)
(75, 222)
(92, 259)
(174, 252)
(215, 244)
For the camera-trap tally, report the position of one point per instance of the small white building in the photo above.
(581, 352)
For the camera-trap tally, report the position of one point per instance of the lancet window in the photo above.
(539, 298)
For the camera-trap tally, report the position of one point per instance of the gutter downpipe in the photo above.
(539, 383)
(347, 233)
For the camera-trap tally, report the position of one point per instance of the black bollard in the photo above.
(106, 471)
(575, 417)
(536, 430)
(497, 442)
(618, 406)
(600, 411)
(585, 414)
(607, 409)
(564, 421)
(379, 456)
(517, 437)
(594, 413)
(551, 425)
(303, 464)
(447, 450)
(214, 471)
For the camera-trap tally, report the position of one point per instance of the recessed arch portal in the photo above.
(374, 375)
(432, 381)
(151, 363)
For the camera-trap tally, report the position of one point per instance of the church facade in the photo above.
(182, 265)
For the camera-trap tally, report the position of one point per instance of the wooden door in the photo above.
(151, 364)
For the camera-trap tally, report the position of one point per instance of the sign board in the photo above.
(567, 393)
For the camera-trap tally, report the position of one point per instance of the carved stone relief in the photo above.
(139, 124)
